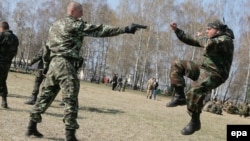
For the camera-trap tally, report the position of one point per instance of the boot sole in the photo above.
(29, 103)
(174, 105)
(189, 133)
(183, 133)
(32, 134)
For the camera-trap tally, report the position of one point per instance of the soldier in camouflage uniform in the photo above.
(216, 108)
(225, 105)
(39, 76)
(232, 109)
(244, 109)
(8, 49)
(61, 61)
(218, 46)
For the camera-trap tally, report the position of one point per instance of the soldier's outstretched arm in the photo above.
(107, 30)
(186, 38)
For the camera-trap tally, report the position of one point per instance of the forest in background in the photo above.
(149, 52)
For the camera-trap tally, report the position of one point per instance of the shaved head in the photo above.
(74, 9)
(4, 26)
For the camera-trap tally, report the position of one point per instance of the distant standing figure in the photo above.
(114, 82)
(8, 49)
(119, 83)
(150, 87)
(124, 84)
(155, 88)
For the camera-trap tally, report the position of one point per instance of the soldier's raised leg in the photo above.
(195, 96)
(179, 69)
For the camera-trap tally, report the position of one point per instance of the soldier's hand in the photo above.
(173, 25)
(130, 29)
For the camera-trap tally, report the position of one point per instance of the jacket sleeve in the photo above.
(190, 40)
(46, 56)
(102, 30)
(37, 57)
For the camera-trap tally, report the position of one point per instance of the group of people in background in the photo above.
(217, 107)
(119, 83)
(152, 88)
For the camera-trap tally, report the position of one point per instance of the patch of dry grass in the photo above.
(106, 115)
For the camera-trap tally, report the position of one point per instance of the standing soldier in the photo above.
(214, 70)
(64, 44)
(8, 49)
(39, 76)
(150, 87)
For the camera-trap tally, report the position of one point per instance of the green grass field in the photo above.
(106, 115)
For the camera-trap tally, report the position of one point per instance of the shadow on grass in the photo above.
(15, 109)
(18, 96)
(59, 115)
(56, 139)
(101, 110)
(27, 97)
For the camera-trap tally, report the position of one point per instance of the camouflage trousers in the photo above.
(4, 69)
(149, 93)
(204, 81)
(38, 80)
(61, 75)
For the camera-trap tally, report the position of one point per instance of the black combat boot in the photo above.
(178, 99)
(32, 130)
(4, 102)
(31, 100)
(193, 125)
(70, 135)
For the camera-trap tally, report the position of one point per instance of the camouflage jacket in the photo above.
(8, 46)
(150, 84)
(218, 51)
(66, 36)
